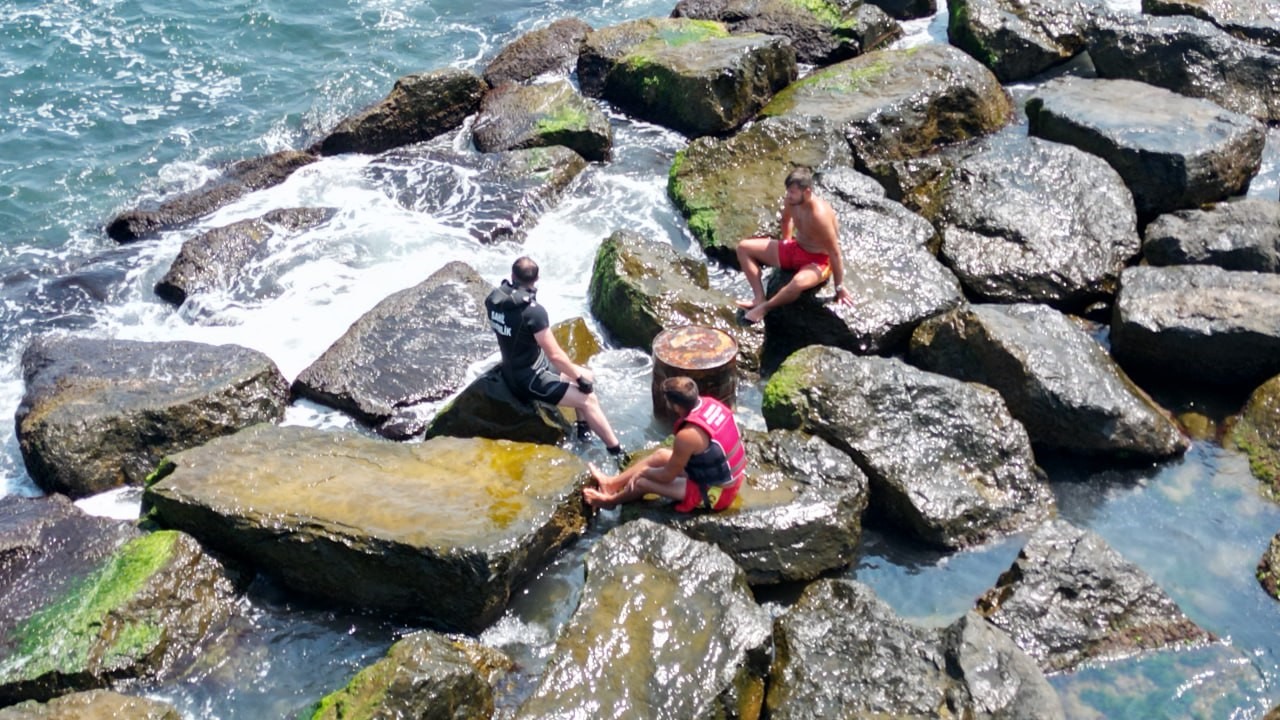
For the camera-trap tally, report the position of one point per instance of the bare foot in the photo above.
(755, 314)
(747, 304)
(597, 499)
(605, 482)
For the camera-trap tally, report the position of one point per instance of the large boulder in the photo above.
(1191, 57)
(799, 512)
(1025, 220)
(1238, 235)
(550, 49)
(688, 75)
(91, 601)
(639, 287)
(443, 530)
(1069, 598)
(101, 413)
(821, 33)
(1198, 323)
(487, 408)
(214, 260)
(411, 349)
(495, 197)
(239, 180)
(425, 675)
(419, 107)
(1248, 19)
(946, 461)
(1257, 432)
(1173, 151)
(666, 627)
(907, 9)
(843, 652)
(92, 704)
(1018, 40)
(895, 104)
(514, 117)
(1054, 378)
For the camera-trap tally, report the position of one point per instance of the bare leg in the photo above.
(636, 489)
(613, 483)
(588, 408)
(809, 276)
(752, 253)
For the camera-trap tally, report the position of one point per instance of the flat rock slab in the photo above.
(100, 413)
(820, 33)
(1069, 598)
(1026, 220)
(92, 704)
(1257, 432)
(412, 348)
(1018, 40)
(442, 530)
(843, 652)
(658, 605)
(1055, 379)
(1198, 323)
(516, 117)
(91, 601)
(1254, 20)
(1173, 151)
(799, 513)
(550, 49)
(1239, 235)
(946, 461)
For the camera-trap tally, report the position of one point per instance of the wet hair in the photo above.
(524, 271)
(681, 391)
(801, 177)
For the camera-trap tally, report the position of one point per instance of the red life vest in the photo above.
(724, 462)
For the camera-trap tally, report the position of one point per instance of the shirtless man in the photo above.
(810, 246)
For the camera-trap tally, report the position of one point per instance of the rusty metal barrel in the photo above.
(707, 355)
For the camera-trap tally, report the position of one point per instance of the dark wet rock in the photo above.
(1018, 40)
(90, 705)
(946, 461)
(215, 259)
(487, 408)
(907, 9)
(657, 604)
(239, 180)
(821, 33)
(1257, 432)
(1026, 220)
(411, 349)
(515, 117)
(1173, 152)
(1191, 57)
(688, 75)
(895, 280)
(895, 104)
(731, 188)
(1198, 323)
(1238, 235)
(799, 512)
(1247, 19)
(1268, 572)
(1069, 598)
(843, 652)
(639, 287)
(100, 413)
(442, 530)
(425, 675)
(550, 49)
(91, 601)
(495, 196)
(419, 107)
(1055, 379)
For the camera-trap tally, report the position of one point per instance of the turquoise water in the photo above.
(114, 104)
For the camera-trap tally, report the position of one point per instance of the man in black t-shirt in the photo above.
(533, 363)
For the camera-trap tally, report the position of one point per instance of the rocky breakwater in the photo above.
(441, 530)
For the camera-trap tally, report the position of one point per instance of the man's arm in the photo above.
(558, 358)
(788, 223)
(828, 236)
(688, 441)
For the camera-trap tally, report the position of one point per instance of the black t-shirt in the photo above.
(515, 316)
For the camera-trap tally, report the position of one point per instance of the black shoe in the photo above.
(742, 318)
(620, 457)
(583, 430)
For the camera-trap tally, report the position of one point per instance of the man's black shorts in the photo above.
(538, 383)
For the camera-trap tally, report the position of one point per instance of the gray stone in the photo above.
(907, 9)
(90, 705)
(487, 408)
(1254, 20)
(419, 107)
(1018, 40)
(820, 33)
(1239, 235)
(550, 49)
(515, 117)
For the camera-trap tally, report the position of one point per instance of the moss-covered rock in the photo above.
(1257, 432)
(91, 705)
(514, 117)
(549, 49)
(821, 31)
(1017, 40)
(419, 107)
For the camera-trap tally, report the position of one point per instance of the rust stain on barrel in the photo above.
(694, 348)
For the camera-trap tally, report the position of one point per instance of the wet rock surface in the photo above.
(90, 705)
(441, 530)
(419, 107)
(1257, 432)
(101, 413)
(1239, 235)
(657, 604)
(820, 34)
(1070, 598)
(487, 408)
(1268, 572)
(546, 50)
(946, 461)
(1221, 327)
(412, 348)
(1018, 40)
(842, 652)
(515, 117)
(799, 512)
(907, 9)
(1255, 21)
(1173, 152)
(1054, 378)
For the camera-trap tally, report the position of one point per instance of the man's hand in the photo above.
(843, 297)
(586, 380)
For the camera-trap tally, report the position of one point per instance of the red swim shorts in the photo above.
(718, 497)
(793, 257)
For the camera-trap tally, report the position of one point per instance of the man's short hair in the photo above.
(524, 271)
(801, 177)
(681, 390)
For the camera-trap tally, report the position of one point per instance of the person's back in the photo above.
(515, 316)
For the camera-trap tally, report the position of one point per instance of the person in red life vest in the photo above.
(703, 468)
